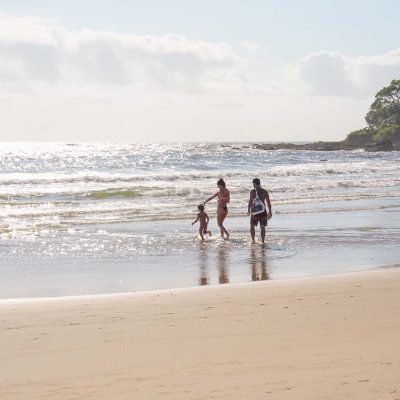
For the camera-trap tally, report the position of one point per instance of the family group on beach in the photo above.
(259, 201)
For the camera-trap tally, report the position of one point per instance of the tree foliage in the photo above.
(385, 110)
(383, 121)
(360, 137)
(391, 133)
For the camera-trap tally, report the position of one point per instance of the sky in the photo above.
(149, 71)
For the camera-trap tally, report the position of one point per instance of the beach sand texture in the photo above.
(315, 338)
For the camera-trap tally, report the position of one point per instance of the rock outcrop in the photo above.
(384, 145)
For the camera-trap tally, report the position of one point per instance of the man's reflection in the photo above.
(258, 265)
(222, 262)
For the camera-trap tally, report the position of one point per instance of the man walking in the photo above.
(259, 199)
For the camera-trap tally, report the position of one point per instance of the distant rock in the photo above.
(384, 145)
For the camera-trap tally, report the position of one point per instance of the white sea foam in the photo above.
(101, 217)
(65, 185)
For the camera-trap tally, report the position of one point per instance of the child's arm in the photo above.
(195, 220)
(207, 218)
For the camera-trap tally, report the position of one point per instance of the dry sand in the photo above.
(317, 338)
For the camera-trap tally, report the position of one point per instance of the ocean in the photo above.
(94, 218)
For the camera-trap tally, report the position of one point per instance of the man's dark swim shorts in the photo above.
(260, 218)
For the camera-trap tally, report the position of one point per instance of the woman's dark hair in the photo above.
(221, 182)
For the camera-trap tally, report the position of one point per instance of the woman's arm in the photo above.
(225, 196)
(212, 197)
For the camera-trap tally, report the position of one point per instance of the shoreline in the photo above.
(321, 337)
(144, 293)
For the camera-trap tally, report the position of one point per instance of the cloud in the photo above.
(249, 46)
(60, 84)
(28, 51)
(334, 74)
(34, 50)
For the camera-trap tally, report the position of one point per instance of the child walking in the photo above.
(203, 218)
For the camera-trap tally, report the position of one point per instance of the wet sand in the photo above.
(316, 338)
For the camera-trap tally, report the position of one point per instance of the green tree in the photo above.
(360, 137)
(391, 132)
(385, 110)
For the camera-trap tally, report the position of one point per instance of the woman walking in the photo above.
(222, 208)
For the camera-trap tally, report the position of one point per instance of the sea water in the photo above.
(93, 218)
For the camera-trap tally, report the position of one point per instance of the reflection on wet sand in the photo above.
(222, 262)
(203, 255)
(219, 256)
(259, 270)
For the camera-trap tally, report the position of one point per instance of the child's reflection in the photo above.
(203, 255)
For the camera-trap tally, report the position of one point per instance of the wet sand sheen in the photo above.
(327, 337)
(131, 257)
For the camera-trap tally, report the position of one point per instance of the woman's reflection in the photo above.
(258, 265)
(222, 262)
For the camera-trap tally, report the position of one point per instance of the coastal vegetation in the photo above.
(382, 132)
(383, 120)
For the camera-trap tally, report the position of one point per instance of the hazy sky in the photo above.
(193, 71)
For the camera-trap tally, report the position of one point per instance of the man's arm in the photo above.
(269, 206)
(250, 202)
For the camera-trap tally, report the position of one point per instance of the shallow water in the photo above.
(107, 218)
(131, 257)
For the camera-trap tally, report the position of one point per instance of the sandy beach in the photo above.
(316, 338)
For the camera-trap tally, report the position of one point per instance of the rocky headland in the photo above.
(384, 145)
(381, 134)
